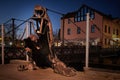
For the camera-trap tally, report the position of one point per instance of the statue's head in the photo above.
(39, 11)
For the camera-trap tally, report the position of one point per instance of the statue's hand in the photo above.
(27, 49)
(37, 47)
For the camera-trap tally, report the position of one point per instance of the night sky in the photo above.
(23, 9)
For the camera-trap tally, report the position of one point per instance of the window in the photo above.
(105, 41)
(79, 19)
(92, 28)
(89, 10)
(109, 29)
(75, 19)
(105, 28)
(85, 10)
(78, 30)
(81, 14)
(82, 11)
(84, 18)
(68, 31)
(69, 21)
(113, 31)
(108, 41)
(117, 33)
(92, 15)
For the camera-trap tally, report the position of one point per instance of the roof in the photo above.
(68, 15)
(117, 20)
(72, 14)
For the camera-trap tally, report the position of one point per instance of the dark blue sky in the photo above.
(23, 9)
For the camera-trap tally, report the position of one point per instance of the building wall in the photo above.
(110, 36)
(107, 30)
(73, 36)
(73, 28)
(115, 34)
(98, 21)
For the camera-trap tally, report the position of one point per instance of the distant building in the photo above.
(104, 30)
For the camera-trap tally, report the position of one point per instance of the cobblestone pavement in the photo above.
(10, 72)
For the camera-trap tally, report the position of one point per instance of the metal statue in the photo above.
(41, 45)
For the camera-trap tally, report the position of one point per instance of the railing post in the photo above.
(27, 34)
(2, 30)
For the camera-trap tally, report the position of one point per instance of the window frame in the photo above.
(78, 30)
(92, 28)
(68, 31)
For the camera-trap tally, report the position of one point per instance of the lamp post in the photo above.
(87, 42)
(13, 29)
